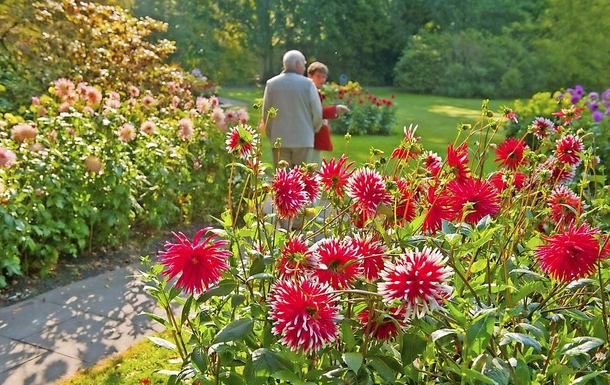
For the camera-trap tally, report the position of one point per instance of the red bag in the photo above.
(322, 139)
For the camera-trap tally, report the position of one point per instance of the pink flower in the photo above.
(7, 158)
(304, 314)
(338, 263)
(148, 127)
(203, 105)
(367, 189)
(296, 259)
(417, 282)
(185, 130)
(93, 164)
(93, 96)
(198, 264)
(22, 132)
(289, 195)
(568, 148)
(334, 174)
(541, 127)
(134, 91)
(371, 254)
(570, 254)
(565, 205)
(63, 87)
(127, 133)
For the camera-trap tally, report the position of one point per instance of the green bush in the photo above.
(368, 114)
(76, 173)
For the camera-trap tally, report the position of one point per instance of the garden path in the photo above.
(56, 333)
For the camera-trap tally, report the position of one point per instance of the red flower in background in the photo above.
(570, 254)
(438, 207)
(457, 159)
(289, 195)
(569, 114)
(408, 148)
(405, 204)
(198, 264)
(338, 263)
(567, 149)
(503, 179)
(473, 199)
(296, 258)
(382, 325)
(510, 153)
(367, 189)
(417, 282)
(334, 174)
(304, 314)
(432, 162)
(371, 254)
(565, 205)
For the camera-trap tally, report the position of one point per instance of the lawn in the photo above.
(437, 118)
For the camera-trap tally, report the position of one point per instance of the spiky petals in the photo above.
(565, 205)
(304, 314)
(371, 254)
(569, 114)
(570, 254)
(417, 282)
(408, 148)
(405, 202)
(296, 258)
(457, 159)
(289, 195)
(367, 189)
(542, 127)
(510, 153)
(567, 149)
(437, 207)
(505, 179)
(473, 199)
(242, 141)
(382, 325)
(334, 174)
(338, 263)
(199, 264)
(432, 162)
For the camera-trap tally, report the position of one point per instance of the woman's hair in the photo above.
(317, 67)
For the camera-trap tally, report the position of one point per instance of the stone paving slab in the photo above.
(13, 353)
(26, 318)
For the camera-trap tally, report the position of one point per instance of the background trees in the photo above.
(482, 48)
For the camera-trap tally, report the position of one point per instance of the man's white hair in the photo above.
(291, 58)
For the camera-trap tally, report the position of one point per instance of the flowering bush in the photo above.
(411, 270)
(590, 112)
(82, 165)
(368, 115)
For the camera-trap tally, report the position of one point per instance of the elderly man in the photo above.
(299, 111)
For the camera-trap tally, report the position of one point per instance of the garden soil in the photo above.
(70, 269)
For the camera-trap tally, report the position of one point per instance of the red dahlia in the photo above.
(371, 254)
(457, 159)
(417, 282)
(568, 148)
(473, 199)
(334, 175)
(289, 194)
(437, 207)
(570, 254)
(304, 314)
(198, 264)
(382, 325)
(510, 153)
(367, 189)
(565, 205)
(338, 263)
(296, 258)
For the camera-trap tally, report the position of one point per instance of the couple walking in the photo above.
(300, 127)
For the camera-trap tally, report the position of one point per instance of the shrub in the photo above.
(368, 115)
(84, 164)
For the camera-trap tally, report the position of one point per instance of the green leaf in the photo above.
(199, 359)
(383, 369)
(468, 375)
(347, 333)
(412, 346)
(225, 287)
(583, 345)
(522, 339)
(231, 378)
(289, 377)
(479, 334)
(440, 333)
(585, 379)
(353, 361)
(163, 343)
(234, 331)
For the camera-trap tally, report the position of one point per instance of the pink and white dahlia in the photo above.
(338, 262)
(242, 141)
(367, 189)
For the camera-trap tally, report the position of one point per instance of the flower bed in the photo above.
(414, 270)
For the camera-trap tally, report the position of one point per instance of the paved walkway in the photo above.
(54, 334)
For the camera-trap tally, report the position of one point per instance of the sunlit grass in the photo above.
(437, 118)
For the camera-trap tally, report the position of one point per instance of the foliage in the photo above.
(368, 115)
(594, 119)
(409, 269)
(77, 172)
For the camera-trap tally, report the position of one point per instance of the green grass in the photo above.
(437, 119)
(136, 366)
